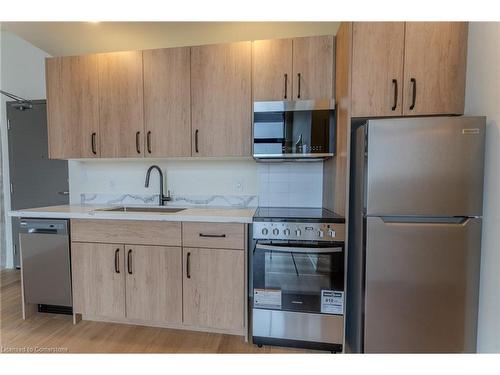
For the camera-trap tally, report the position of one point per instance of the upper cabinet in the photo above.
(121, 104)
(72, 107)
(221, 109)
(272, 69)
(293, 69)
(377, 68)
(167, 102)
(406, 69)
(313, 67)
(435, 65)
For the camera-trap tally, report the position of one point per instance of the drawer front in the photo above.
(127, 232)
(213, 235)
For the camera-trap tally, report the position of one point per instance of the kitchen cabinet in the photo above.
(121, 117)
(154, 283)
(167, 102)
(377, 68)
(98, 274)
(408, 68)
(221, 99)
(435, 67)
(213, 288)
(272, 69)
(293, 69)
(72, 107)
(313, 67)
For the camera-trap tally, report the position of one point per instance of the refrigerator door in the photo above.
(425, 166)
(422, 285)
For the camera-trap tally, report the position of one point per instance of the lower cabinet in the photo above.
(213, 288)
(98, 272)
(154, 283)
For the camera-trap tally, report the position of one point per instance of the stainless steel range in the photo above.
(297, 283)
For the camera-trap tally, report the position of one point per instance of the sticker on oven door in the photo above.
(270, 298)
(332, 302)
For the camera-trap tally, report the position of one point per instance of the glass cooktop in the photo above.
(303, 214)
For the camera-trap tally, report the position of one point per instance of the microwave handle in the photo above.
(285, 249)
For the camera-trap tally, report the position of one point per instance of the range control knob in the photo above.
(276, 231)
(265, 231)
(331, 232)
(321, 233)
(298, 232)
(286, 232)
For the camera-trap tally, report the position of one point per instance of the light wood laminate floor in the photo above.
(58, 332)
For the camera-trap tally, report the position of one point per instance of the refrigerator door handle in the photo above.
(458, 220)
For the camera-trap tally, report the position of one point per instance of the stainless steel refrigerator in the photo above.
(416, 197)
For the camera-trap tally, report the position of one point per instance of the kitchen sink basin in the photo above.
(142, 209)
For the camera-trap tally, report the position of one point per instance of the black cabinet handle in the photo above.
(137, 140)
(196, 141)
(188, 265)
(93, 143)
(129, 262)
(148, 141)
(414, 99)
(298, 79)
(286, 85)
(395, 83)
(117, 261)
(212, 235)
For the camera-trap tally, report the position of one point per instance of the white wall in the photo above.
(22, 73)
(483, 98)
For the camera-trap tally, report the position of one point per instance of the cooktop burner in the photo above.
(302, 214)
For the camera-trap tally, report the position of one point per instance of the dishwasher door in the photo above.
(45, 263)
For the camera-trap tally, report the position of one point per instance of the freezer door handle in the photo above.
(458, 220)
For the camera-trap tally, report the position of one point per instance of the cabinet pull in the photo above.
(93, 143)
(117, 261)
(212, 235)
(395, 83)
(298, 79)
(137, 145)
(286, 85)
(188, 266)
(129, 262)
(148, 141)
(196, 141)
(414, 94)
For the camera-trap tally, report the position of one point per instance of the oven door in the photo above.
(299, 276)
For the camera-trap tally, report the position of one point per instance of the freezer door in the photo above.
(425, 166)
(422, 286)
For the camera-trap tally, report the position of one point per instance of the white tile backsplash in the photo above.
(291, 184)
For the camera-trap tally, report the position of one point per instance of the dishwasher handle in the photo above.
(42, 231)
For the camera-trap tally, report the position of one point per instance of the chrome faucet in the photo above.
(162, 198)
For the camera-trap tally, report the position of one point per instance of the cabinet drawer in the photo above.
(214, 235)
(127, 232)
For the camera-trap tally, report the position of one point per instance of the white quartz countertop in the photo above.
(208, 214)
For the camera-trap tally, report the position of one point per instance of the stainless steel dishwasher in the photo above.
(46, 265)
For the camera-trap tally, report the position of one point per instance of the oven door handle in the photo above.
(285, 249)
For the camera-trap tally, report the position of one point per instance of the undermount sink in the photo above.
(142, 209)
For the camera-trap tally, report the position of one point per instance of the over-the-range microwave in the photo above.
(301, 130)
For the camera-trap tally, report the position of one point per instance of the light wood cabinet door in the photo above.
(377, 68)
(272, 69)
(154, 283)
(167, 102)
(72, 107)
(435, 67)
(221, 99)
(313, 67)
(213, 288)
(98, 274)
(121, 104)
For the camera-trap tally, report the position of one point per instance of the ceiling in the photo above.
(75, 38)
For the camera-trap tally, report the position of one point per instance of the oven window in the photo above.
(294, 281)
